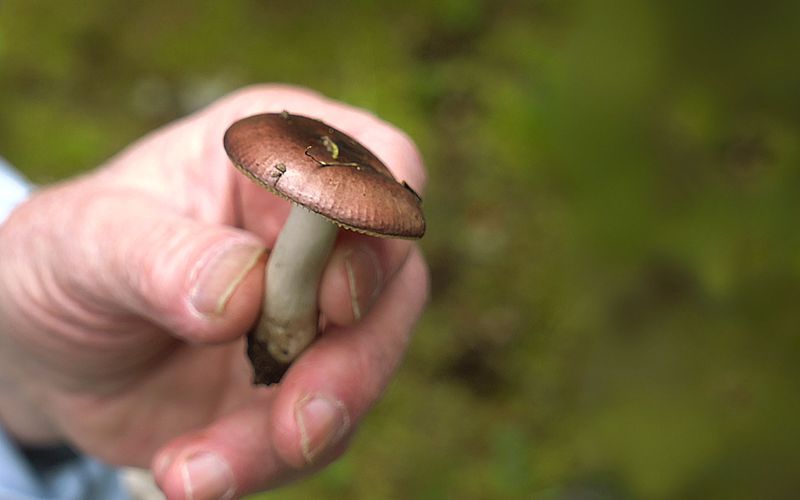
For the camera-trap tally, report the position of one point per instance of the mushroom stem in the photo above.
(290, 318)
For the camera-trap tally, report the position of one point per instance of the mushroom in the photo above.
(331, 180)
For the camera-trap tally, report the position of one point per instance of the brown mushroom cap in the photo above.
(326, 171)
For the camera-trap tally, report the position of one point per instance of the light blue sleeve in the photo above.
(13, 189)
(56, 473)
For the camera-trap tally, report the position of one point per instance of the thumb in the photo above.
(200, 281)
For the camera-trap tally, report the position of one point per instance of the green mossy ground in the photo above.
(613, 204)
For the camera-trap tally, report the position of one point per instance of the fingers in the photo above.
(209, 294)
(351, 366)
(307, 421)
(200, 281)
(356, 272)
(204, 282)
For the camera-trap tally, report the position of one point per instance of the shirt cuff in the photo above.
(56, 473)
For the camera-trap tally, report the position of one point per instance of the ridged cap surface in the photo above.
(326, 171)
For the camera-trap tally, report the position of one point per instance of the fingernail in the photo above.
(218, 275)
(205, 477)
(364, 277)
(322, 423)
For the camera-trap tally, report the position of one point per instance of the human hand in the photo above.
(125, 294)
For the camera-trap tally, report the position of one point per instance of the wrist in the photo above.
(20, 412)
(21, 403)
(22, 418)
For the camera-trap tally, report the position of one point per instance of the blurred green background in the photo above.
(613, 201)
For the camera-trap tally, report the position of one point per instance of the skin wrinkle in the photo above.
(74, 329)
(89, 340)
